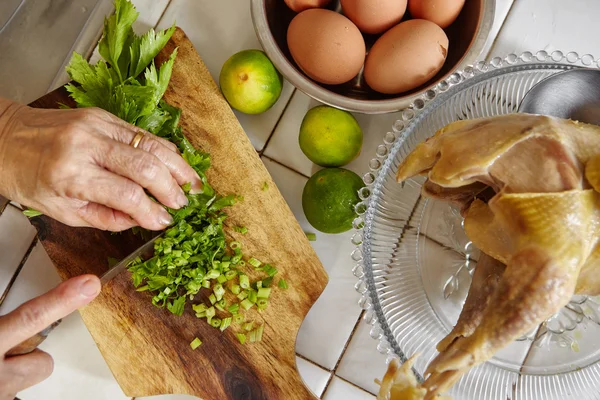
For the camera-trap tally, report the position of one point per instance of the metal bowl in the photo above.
(467, 37)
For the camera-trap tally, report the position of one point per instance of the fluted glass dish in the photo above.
(414, 261)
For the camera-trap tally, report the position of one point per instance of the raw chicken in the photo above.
(527, 187)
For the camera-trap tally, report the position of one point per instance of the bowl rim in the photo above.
(319, 93)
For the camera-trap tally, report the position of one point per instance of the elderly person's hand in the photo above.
(77, 166)
(20, 372)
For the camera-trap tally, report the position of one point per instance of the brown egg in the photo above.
(301, 5)
(374, 16)
(441, 12)
(406, 56)
(327, 46)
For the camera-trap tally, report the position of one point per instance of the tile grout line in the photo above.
(260, 153)
(337, 364)
(162, 14)
(285, 166)
(355, 385)
(12, 281)
(487, 56)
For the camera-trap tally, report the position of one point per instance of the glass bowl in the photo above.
(414, 261)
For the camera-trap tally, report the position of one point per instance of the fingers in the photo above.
(164, 150)
(28, 370)
(37, 314)
(104, 218)
(146, 170)
(121, 194)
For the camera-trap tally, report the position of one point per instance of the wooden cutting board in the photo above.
(148, 349)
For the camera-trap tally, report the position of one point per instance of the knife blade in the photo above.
(145, 251)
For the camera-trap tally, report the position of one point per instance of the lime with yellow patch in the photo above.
(250, 82)
(329, 198)
(330, 137)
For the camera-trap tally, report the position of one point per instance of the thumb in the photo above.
(37, 314)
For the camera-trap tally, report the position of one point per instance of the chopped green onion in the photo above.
(219, 291)
(265, 187)
(221, 279)
(229, 275)
(215, 323)
(254, 262)
(244, 281)
(252, 336)
(270, 270)
(212, 298)
(264, 293)
(241, 263)
(30, 213)
(241, 337)
(248, 326)
(198, 308)
(259, 285)
(311, 236)
(235, 289)
(234, 308)
(142, 288)
(252, 295)
(195, 343)
(246, 304)
(225, 323)
(212, 274)
(235, 245)
(243, 295)
(210, 313)
(241, 229)
(201, 314)
(259, 332)
(206, 284)
(282, 284)
(262, 304)
(238, 319)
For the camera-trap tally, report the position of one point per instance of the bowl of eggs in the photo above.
(371, 56)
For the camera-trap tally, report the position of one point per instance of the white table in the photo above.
(336, 356)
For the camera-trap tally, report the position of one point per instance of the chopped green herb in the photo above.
(254, 262)
(241, 337)
(235, 289)
(30, 213)
(264, 293)
(241, 229)
(234, 308)
(265, 186)
(225, 323)
(252, 295)
(311, 236)
(270, 270)
(248, 326)
(215, 323)
(259, 332)
(282, 284)
(243, 295)
(244, 281)
(262, 304)
(246, 304)
(229, 275)
(238, 319)
(195, 343)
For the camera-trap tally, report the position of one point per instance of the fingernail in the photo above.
(196, 187)
(89, 288)
(165, 218)
(182, 200)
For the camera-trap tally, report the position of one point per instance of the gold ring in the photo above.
(135, 142)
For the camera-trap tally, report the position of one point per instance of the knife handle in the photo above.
(32, 343)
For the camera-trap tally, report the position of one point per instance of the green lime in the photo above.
(330, 137)
(250, 82)
(329, 198)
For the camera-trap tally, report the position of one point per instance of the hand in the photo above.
(77, 167)
(20, 372)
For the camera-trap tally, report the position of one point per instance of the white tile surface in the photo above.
(218, 30)
(284, 146)
(332, 318)
(340, 390)
(16, 235)
(362, 363)
(76, 357)
(549, 25)
(314, 376)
